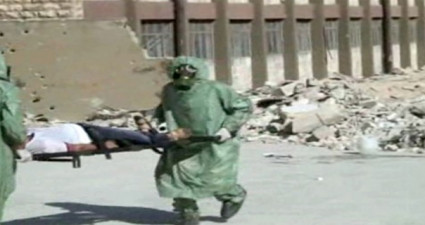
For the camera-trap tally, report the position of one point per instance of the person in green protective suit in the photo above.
(190, 171)
(12, 132)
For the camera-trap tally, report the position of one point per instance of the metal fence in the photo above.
(268, 40)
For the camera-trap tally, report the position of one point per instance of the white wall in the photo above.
(330, 2)
(242, 73)
(272, 2)
(275, 68)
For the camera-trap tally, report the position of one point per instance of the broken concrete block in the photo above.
(299, 88)
(394, 134)
(291, 111)
(275, 127)
(330, 115)
(367, 126)
(312, 82)
(305, 123)
(368, 104)
(293, 139)
(418, 110)
(291, 88)
(312, 139)
(315, 95)
(338, 93)
(324, 132)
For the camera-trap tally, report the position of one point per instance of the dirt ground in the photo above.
(316, 186)
(395, 87)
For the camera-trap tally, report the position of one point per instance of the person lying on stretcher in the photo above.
(74, 137)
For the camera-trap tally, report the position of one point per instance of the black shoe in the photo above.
(229, 208)
(188, 218)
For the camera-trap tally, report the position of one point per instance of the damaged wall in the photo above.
(69, 68)
(41, 9)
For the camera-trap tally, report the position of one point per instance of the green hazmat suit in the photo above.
(201, 170)
(12, 133)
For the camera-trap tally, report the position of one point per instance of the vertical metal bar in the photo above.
(259, 59)
(344, 47)
(222, 42)
(367, 41)
(405, 35)
(421, 33)
(182, 27)
(290, 43)
(320, 69)
(387, 37)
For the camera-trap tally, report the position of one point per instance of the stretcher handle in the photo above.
(204, 139)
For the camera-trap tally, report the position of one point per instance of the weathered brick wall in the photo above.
(40, 9)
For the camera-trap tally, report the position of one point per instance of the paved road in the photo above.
(316, 187)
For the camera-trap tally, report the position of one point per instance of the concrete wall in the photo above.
(354, 2)
(396, 43)
(41, 9)
(304, 47)
(377, 46)
(69, 68)
(242, 73)
(272, 2)
(332, 54)
(356, 43)
(275, 68)
(413, 29)
(199, 1)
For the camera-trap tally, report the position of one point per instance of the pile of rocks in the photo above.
(334, 113)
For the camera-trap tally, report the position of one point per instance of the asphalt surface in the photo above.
(314, 187)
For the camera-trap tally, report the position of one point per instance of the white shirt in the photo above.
(53, 139)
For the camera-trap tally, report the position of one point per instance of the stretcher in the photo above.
(75, 157)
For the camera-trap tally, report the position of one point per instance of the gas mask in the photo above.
(184, 76)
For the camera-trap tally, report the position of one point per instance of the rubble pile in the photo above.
(335, 113)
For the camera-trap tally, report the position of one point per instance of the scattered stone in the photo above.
(305, 122)
(418, 110)
(324, 132)
(333, 113)
(368, 104)
(329, 113)
(290, 89)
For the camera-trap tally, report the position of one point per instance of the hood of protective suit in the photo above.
(3, 68)
(199, 64)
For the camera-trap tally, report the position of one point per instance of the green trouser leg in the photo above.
(2, 203)
(235, 194)
(185, 204)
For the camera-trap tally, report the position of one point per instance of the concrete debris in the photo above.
(340, 114)
(324, 132)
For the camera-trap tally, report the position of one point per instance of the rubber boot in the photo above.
(188, 217)
(230, 208)
(188, 212)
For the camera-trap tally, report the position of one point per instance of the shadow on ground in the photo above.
(82, 214)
